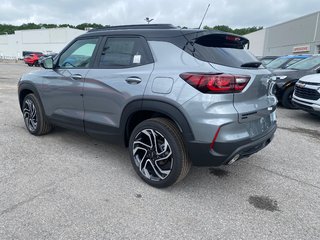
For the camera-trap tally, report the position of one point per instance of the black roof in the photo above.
(145, 30)
(152, 31)
(137, 26)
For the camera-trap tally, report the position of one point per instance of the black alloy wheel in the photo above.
(34, 117)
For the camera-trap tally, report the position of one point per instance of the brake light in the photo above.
(233, 38)
(216, 83)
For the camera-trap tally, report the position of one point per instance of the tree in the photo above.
(239, 31)
(9, 29)
(66, 25)
(45, 25)
(83, 26)
(27, 26)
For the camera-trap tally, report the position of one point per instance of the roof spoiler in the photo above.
(222, 39)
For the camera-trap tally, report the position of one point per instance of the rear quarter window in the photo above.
(124, 52)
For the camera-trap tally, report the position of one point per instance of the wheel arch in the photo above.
(140, 110)
(24, 90)
(284, 87)
(288, 84)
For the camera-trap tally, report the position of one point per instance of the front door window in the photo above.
(79, 54)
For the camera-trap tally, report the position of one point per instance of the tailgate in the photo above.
(256, 100)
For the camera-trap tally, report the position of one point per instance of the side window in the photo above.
(124, 52)
(79, 54)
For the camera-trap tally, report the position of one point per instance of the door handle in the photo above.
(76, 76)
(133, 80)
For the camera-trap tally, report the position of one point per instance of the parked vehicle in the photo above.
(286, 61)
(267, 59)
(25, 53)
(306, 94)
(286, 78)
(174, 97)
(32, 59)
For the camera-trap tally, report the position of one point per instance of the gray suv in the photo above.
(174, 97)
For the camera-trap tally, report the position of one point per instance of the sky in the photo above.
(234, 13)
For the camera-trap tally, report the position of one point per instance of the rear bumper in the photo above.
(201, 154)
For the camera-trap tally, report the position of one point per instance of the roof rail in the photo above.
(137, 26)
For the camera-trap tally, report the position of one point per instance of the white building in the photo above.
(297, 36)
(38, 40)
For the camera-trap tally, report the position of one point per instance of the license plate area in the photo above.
(261, 125)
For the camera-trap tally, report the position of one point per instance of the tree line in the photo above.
(239, 31)
(9, 29)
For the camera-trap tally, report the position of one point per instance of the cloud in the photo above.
(241, 13)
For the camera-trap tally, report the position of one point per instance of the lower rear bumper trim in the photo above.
(201, 154)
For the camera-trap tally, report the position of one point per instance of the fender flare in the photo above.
(30, 87)
(160, 107)
(283, 88)
(289, 83)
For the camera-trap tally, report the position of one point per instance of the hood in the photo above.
(313, 78)
(290, 73)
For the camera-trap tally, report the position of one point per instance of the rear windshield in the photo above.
(223, 49)
(277, 63)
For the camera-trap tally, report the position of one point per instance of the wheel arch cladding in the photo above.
(138, 111)
(24, 90)
(289, 83)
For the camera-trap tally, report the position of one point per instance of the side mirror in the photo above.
(47, 63)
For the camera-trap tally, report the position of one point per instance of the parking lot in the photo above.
(67, 185)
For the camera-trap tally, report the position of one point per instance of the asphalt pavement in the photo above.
(67, 185)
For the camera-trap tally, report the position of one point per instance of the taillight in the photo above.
(216, 83)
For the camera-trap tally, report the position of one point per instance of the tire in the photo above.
(287, 98)
(160, 166)
(34, 117)
(30, 64)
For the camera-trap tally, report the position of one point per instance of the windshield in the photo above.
(306, 64)
(276, 63)
(279, 62)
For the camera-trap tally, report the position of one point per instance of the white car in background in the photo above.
(306, 94)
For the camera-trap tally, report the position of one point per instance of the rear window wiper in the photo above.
(252, 64)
